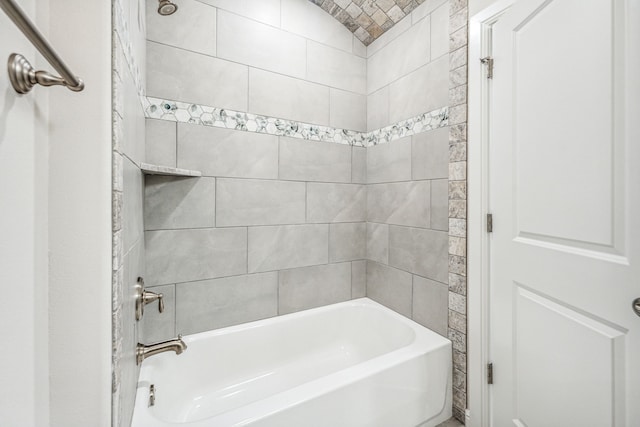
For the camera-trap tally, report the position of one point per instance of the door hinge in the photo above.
(488, 61)
(490, 373)
(489, 223)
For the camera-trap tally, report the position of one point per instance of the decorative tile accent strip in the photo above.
(184, 112)
(458, 201)
(368, 19)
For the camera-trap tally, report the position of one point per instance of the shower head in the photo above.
(166, 7)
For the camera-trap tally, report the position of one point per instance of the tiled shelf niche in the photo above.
(149, 169)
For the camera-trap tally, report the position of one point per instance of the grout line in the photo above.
(215, 203)
(328, 243)
(177, 133)
(247, 252)
(175, 310)
(430, 62)
(413, 279)
(278, 292)
(217, 28)
(351, 281)
(263, 272)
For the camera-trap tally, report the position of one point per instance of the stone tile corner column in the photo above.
(458, 53)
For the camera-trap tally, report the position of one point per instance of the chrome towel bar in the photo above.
(22, 75)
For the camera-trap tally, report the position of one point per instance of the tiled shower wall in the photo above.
(407, 67)
(128, 45)
(407, 213)
(275, 224)
(285, 59)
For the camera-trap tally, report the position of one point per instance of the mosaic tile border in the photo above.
(185, 112)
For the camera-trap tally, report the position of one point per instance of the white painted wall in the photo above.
(55, 223)
(24, 388)
(79, 219)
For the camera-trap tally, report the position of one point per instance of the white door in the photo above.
(24, 391)
(565, 198)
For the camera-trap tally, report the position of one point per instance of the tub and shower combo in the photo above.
(350, 364)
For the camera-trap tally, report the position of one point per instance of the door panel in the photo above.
(556, 347)
(552, 120)
(565, 253)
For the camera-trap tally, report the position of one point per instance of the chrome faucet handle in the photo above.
(144, 297)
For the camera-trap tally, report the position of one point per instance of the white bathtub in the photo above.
(350, 364)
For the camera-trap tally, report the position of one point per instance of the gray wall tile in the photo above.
(358, 279)
(440, 204)
(309, 287)
(158, 326)
(301, 17)
(389, 162)
(227, 152)
(212, 304)
(408, 52)
(267, 11)
(419, 251)
(336, 202)
(185, 255)
(336, 68)
(133, 129)
(249, 42)
(172, 71)
(286, 97)
(160, 146)
(440, 31)
(133, 199)
(314, 161)
(259, 202)
(430, 158)
(194, 28)
(378, 109)
(358, 165)
(430, 304)
(133, 268)
(378, 242)
(348, 110)
(347, 242)
(173, 202)
(432, 80)
(401, 203)
(279, 247)
(390, 287)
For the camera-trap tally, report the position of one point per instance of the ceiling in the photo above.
(368, 19)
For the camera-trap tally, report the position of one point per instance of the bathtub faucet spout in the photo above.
(144, 351)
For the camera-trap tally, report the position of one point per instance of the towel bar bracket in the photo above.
(24, 77)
